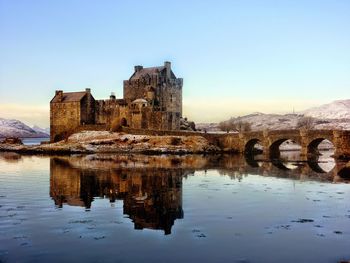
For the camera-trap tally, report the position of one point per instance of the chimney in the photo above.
(112, 97)
(59, 94)
(167, 66)
(88, 90)
(138, 68)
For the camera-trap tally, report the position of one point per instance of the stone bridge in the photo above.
(271, 140)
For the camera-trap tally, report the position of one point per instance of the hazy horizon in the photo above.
(236, 57)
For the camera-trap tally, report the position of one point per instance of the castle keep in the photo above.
(152, 100)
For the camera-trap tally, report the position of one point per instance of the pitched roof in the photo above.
(70, 97)
(143, 72)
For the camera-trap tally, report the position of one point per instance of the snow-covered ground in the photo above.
(335, 115)
(339, 109)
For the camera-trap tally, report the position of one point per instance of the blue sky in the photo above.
(236, 57)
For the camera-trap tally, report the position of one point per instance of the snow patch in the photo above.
(339, 109)
(335, 115)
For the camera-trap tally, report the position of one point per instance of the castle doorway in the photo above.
(123, 122)
(58, 137)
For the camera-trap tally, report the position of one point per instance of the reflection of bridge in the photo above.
(305, 170)
(271, 140)
(308, 170)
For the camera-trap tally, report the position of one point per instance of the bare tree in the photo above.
(234, 125)
(227, 126)
(247, 126)
(305, 122)
(242, 126)
(224, 126)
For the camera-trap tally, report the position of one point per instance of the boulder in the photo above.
(12, 140)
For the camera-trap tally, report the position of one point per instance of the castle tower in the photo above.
(161, 88)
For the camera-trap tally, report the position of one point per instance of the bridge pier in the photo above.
(309, 151)
(342, 144)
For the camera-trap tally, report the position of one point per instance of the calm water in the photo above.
(34, 141)
(112, 208)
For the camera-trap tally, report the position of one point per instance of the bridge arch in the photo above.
(314, 166)
(251, 161)
(274, 148)
(250, 146)
(312, 147)
(280, 165)
(345, 173)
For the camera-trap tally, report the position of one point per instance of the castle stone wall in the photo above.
(87, 109)
(64, 118)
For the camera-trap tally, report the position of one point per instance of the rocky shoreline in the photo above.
(90, 142)
(114, 142)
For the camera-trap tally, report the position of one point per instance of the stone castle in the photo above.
(152, 100)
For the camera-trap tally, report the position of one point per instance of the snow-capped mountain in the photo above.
(42, 130)
(335, 115)
(339, 109)
(15, 128)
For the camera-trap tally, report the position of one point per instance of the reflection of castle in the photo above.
(152, 198)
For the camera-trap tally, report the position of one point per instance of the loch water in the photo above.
(35, 141)
(187, 208)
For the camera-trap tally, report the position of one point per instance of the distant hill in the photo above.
(42, 130)
(16, 128)
(339, 109)
(335, 115)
